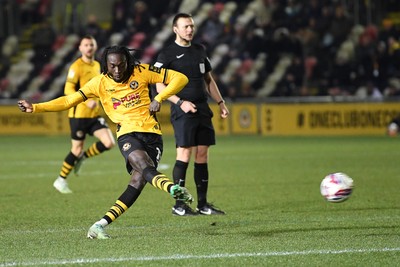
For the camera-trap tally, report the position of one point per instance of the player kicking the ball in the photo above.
(123, 89)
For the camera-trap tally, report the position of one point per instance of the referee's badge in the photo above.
(126, 146)
(134, 85)
(202, 68)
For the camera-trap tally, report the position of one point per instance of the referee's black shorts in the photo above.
(150, 142)
(193, 131)
(80, 127)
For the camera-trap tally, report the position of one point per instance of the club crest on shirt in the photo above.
(134, 85)
(126, 146)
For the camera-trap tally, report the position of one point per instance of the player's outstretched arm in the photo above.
(59, 104)
(25, 106)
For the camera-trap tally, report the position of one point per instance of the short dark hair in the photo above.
(88, 36)
(180, 15)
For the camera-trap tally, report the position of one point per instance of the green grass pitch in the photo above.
(268, 186)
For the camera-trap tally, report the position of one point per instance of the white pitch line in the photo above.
(185, 257)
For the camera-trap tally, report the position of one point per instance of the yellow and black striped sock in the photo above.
(124, 202)
(157, 179)
(67, 165)
(115, 211)
(162, 182)
(95, 149)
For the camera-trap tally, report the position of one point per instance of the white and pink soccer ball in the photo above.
(336, 187)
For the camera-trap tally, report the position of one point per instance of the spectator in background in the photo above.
(93, 28)
(341, 77)
(369, 90)
(293, 79)
(212, 29)
(394, 54)
(235, 40)
(162, 9)
(388, 30)
(43, 39)
(340, 25)
(366, 54)
(264, 10)
(255, 43)
(393, 88)
(140, 19)
(119, 15)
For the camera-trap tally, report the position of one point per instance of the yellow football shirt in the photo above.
(79, 74)
(126, 104)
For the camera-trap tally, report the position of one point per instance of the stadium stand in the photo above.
(262, 48)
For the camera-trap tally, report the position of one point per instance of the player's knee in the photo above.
(109, 143)
(140, 160)
(137, 181)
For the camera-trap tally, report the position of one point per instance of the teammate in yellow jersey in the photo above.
(123, 89)
(85, 117)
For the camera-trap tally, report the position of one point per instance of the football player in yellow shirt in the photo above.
(123, 89)
(85, 117)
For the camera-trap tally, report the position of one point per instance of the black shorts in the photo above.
(193, 131)
(150, 142)
(80, 127)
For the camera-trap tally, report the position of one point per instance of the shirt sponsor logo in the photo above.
(127, 101)
(180, 56)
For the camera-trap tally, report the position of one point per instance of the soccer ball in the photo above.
(336, 187)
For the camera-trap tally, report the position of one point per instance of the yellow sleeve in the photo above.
(61, 103)
(69, 88)
(72, 79)
(176, 81)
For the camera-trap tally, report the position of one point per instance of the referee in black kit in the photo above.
(190, 113)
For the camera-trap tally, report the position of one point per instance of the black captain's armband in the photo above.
(154, 69)
(83, 95)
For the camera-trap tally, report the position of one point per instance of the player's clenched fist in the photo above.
(25, 106)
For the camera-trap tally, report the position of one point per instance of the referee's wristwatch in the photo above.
(179, 102)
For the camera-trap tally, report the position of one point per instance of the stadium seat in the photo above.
(116, 38)
(137, 40)
(226, 13)
(47, 71)
(10, 46)
(60, 40)
(272, 80)
(188, 6)
(33, 88)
